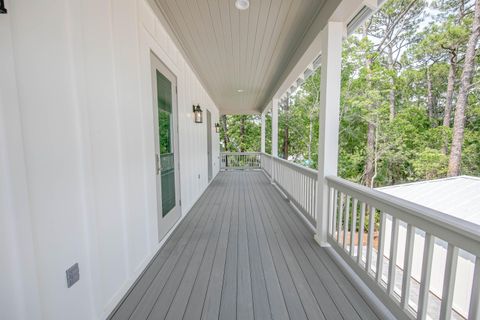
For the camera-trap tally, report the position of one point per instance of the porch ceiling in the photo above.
(249, 50)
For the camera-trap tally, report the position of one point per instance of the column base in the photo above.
(322, 243)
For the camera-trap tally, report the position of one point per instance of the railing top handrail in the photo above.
(432, 219)
(309, 172)
(240, 153)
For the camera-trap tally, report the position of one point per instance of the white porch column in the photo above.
(331, 59)
(274, 135)
(262, 143)
(275, 127)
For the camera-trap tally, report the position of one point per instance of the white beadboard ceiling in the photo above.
(247, 50)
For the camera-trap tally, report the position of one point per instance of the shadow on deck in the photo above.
(242, 253)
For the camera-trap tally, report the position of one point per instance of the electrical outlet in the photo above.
(73, 275)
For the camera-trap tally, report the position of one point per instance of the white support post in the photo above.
(331, 60)
(275, 103)
(275, 127)
(262, 143)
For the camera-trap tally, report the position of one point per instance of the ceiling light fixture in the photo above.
(242, 4)
(240, 90)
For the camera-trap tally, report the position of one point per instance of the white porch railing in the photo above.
(358, 214)
(385, 239)
(239, 160)
(299, 184)
(266, 163)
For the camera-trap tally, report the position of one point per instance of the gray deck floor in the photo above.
(242, 253)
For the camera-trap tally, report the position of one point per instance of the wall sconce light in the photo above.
(2, 7)
(197, 113)
(217, 127)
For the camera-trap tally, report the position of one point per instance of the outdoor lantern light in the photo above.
(197, 112)
(217, 127)
(2, 7)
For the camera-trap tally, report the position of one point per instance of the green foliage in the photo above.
(406, 58)
(243, 133)
(430, 163)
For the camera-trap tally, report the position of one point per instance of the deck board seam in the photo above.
(266, 222)
(259, 225)
(224, 205)
(256, 245)
(247, 266)
(273, 220)
(242, 252)
(213, 234)
(300, 225)
(202, 219)
(189, 228)
(208, 292)
(183, 273)
(227, 255)
(294, 237)
(169, 244)
(323, 262)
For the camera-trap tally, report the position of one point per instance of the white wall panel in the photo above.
(18, 290)
(81, 134)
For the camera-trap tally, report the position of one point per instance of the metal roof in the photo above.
(456, 196)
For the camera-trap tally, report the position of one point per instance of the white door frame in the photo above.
(165, 223)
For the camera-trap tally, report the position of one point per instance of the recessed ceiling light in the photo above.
(242, 4)
(240, 90)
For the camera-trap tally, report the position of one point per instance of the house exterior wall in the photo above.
(77, 152)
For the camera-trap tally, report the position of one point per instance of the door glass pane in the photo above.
(165, 127)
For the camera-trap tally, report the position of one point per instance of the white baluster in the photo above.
(353, 227)
(474, 311)
(361, 229)
(407, 267)
(392, 268)
(371, 230)
(449, 282)
(381, 244)
(426, 274)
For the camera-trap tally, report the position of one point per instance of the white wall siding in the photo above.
(83, 126)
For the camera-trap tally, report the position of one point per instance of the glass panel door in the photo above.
(165, 134)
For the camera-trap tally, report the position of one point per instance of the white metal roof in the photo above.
(456, 196)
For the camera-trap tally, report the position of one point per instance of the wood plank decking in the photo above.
(242, 253)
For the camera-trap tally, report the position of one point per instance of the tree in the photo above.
(454, 164)
(393, 29)
(379, 147)
(240, 133)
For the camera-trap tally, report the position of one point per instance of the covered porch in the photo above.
(243, 252)
(248, 235)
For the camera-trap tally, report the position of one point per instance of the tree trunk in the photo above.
(450, 89)
(369, 172)
(226, 140)
(242, 134)
(310, 136)
(429, 95)
(465, 84)
(391, 95)
(286, 142)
